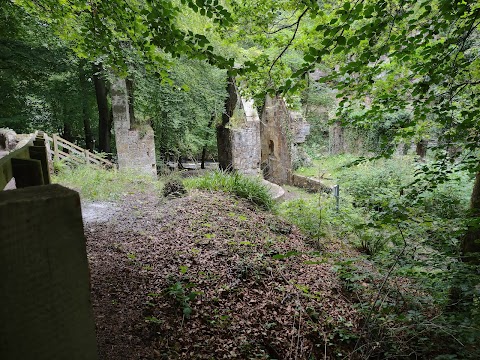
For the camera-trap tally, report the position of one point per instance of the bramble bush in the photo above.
(428, 305)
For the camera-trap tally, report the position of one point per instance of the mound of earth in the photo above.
(210, 276)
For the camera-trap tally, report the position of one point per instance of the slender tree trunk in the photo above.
(223, 132)
(204, 150)
(67, 131)
(337, 145)
(471, 240)
(103, 110)
(421, 149)
(85, 109)
(180, 164)
(470, 247)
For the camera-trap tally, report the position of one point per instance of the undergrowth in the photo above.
(412, 236)
(243, 186)
(102, 184)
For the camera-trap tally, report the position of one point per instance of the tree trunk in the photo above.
(470, 252)
(204, 150)
(89, 142)
(422, 149)
(103, 111)
(224, 145)
(337, 144)
(231, 101)
(471, 240)
(67, 132)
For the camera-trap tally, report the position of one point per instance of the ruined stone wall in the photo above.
(245, 142)
(135, 146)
(238, 141)
(276, 162)
(280, 130)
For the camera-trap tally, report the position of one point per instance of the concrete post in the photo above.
(45, 307)
(27, 172)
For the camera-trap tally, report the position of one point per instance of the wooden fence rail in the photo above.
(61, 149)
(30, 162)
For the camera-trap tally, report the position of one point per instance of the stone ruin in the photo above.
(135, 143)
(8, 140)
(245, 143)
(252, 146)
(238, 136)
(281, 131)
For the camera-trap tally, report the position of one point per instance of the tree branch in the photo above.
(296, 24)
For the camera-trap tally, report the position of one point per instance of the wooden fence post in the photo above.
(55, 147)
(85, 153)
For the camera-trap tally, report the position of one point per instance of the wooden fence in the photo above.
(61, 149)
(31, 161)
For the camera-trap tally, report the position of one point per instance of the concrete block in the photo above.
(27, 172)
(45, 308)
(40, 153)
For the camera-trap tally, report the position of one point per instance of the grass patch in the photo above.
(326, 168)
(101, 184)
(245, 187)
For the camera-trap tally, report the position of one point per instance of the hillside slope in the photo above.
(203, 277)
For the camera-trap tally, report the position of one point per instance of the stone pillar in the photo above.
(238, 143)
(45, 307)
(276, 156)
(135, 145)
(245, 142)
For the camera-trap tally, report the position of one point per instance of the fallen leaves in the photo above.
(260, 291)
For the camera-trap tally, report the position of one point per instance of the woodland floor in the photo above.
(197, 277)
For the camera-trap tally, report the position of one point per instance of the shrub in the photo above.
(243, 186)
(373, 184)
(450, 199)
(306, 214)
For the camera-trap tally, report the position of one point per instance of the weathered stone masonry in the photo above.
(239, 141)
(135, 145)
(281, 130)
(250, 146)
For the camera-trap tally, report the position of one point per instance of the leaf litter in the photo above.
(211, 276)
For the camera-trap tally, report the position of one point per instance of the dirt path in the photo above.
(98, 211)
(203, 277)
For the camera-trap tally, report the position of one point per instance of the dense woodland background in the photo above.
(389, 87)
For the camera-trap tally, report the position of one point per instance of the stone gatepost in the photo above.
(135, 143)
